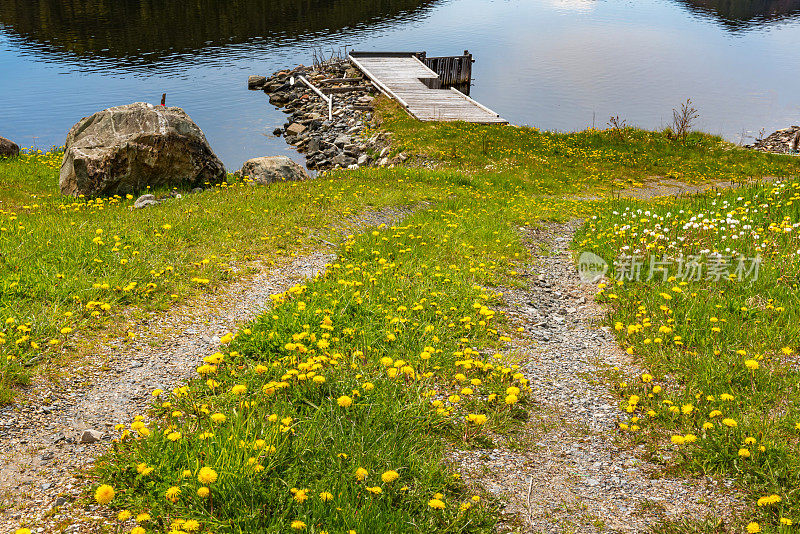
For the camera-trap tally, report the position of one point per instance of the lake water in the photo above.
(555, 64)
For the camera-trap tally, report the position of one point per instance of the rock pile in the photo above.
(340, 142)
(786, 141)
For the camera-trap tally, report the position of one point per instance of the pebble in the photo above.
(90, 436)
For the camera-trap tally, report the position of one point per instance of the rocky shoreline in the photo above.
(786, 141)
(341, 141)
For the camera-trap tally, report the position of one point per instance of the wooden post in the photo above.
(164, 99)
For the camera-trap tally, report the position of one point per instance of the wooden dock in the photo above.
(403, 77)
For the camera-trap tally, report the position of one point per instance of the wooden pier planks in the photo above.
(406, 79)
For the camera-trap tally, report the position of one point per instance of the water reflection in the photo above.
(740, 15)
(142, 33)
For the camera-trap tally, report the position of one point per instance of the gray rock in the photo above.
(61, 501)
(90, 436)
(8, 148)
(266, 170)
(344, 161)
(256, 82)
(363, 159)
(342, 140)
(144, 201)
(295, 129)
(126, 148)
(313, 145)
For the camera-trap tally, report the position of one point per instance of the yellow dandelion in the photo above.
(104, 494)
(390, 476)
(207, 475)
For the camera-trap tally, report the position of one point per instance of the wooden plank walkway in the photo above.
(406, 79)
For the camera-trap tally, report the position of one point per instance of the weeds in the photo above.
(683, 119)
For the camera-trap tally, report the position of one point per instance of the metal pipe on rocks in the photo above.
(326, 98)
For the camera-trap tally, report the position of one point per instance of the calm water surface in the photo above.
(555, 64)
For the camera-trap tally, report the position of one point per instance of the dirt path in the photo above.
(565, 472)
(43, 458)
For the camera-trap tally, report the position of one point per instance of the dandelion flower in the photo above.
(344, 401)
(172, 493)
(203, 492)
(326, 496)
(390, 476)
(751, 364)
(436, 504)
(361, 473)
(730, 423)
(207, 475)
(753, 527)
(104, 494)
(298, 525)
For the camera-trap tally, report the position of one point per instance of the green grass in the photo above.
(577, 162)
(74, 266)
(399, 325)
(407, 309)
(722, 352)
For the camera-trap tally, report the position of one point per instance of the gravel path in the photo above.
(43, 457)
(565, 471)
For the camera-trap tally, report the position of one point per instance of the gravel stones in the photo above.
(786, 141)
(145, 201)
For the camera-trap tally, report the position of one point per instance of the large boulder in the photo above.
(8, 148)
(124, 149)
(270, 169)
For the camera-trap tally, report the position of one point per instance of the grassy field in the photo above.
(73, 266)
(330, 412)
(718, 334)
(579, 162)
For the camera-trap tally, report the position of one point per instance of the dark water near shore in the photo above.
(555, 64)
